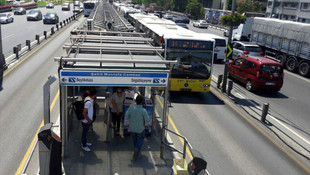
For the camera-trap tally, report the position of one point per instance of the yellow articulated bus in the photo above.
(193, 51)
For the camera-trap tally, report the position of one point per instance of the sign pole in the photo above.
(229, 50)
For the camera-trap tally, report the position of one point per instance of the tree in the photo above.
(228, 4)
(248, 6)
(2, 2)
(178, 5)
(195, 9)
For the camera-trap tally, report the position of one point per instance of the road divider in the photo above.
(18, 50)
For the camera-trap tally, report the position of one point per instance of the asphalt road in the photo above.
(291, 104)
(21, 30)
(227, 141)
(21, 104)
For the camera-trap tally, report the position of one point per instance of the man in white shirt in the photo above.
(88, 113)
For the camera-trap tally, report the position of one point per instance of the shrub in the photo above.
(232, 19)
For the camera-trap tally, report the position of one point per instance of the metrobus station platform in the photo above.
(114, 156)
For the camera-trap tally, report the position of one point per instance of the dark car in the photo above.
(177, 20)
(182, 25)
(257, 72)
(19, 11)
(184, 19)
(50, 6)
(51, 18)
(34, 15)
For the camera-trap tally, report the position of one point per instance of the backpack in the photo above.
(78, 109)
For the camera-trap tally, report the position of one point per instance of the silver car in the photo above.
(6, 18)
(246, 49)
(34, 15)
(200, 24)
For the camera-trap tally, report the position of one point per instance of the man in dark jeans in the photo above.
(88, 114)
(137, 115)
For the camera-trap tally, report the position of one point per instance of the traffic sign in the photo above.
(228, 55)
(110, 78)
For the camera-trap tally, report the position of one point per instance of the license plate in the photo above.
(269, 84)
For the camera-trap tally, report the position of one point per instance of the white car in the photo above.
(168, 16)
(200, 24)
(6, 18)
(226, 32)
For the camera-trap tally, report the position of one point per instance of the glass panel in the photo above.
(191, 64)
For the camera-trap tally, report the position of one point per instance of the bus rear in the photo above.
(88, 7)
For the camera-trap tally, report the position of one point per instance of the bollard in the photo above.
(38, 38)
(219, 81)
(64, 22)
(67, 20)
(52, 31)
(60, 24)
(28, 44)
(57, 27)
(15, 50)
(45, 34)
(264, 112)
(230, 86)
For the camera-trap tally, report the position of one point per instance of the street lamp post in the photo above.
(229, 47)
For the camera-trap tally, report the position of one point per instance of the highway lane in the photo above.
(21, 104)
(21, 30)
(291, 104)
(228, 142)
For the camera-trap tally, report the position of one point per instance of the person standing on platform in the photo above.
(88, 113)
(117, 109)
(137, 117)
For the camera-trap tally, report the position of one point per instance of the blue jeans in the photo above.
(84, 133)
(138, 139)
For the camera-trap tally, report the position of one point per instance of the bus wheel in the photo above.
(304, 69)
(281, 58)
(291, 64)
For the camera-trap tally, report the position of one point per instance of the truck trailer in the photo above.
(285, 41)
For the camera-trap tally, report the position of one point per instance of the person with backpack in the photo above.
(88, 113)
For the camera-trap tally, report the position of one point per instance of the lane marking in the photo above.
(7, 36)
(276, 120)
(37, 49)
(175, 129)
(24, 160)
(261, 131)
(305, 140)
(297, 76)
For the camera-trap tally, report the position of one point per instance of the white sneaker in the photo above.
(86, 149)
(88, 144)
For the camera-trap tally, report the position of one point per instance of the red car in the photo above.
(257, 72)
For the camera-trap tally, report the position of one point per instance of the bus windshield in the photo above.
(191, 64)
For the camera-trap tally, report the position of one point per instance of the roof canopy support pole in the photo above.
(63, 109)
(165, 112)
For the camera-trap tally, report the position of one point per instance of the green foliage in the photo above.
(178, 5)
(248, 6)
(2, 2)
(232, 19)
(228, 4)
(41, 4)
(195, 9)
(136, 2)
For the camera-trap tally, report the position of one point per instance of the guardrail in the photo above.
(23, 48)
(185, 145)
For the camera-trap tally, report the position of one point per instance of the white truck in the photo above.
(243, 32)
(285, 41)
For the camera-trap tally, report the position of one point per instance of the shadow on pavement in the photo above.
(195, 98)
